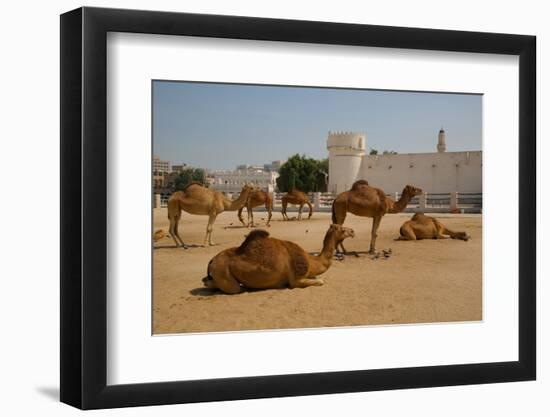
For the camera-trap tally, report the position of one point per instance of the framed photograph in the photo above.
(257, 208)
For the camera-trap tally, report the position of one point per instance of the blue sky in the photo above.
(219, 126)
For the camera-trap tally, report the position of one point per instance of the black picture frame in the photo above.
(84, 207)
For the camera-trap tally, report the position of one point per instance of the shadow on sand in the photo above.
(178, 247)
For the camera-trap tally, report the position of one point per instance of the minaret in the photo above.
(441, 147)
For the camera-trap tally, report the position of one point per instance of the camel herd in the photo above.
(262, 262)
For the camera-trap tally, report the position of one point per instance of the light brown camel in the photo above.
(421, 226)
(197, 199)
(300, 199)
(366, 201)
(256, 198)
(263, 262)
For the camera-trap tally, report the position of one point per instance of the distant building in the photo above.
(160, 171)
(160, 166)
(274, 166)
(436, 172)
(180, 167)
(233, 181)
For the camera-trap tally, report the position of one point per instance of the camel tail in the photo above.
(310, 209)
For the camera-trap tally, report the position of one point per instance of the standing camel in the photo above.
(366, 201)
(296, 197)
(197, 199)
(256, 198)
(263, 262)
(421, 226)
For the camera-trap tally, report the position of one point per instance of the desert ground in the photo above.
(424, 281)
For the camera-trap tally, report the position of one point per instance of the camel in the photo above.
(421, 226)
(366, 201)
(197, 199)
(296, 197)
(262, 262)
(256, 198)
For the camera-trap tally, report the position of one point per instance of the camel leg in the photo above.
(407, 233)
(455, 235)
(306, 282)
(341, 246)
(375, 224)
(300, 212)
(268, 208)
(251, 211)
(224, 281)
(173, 230)
(283, 211)
(176, 229)
(240, 216)
(209, 228)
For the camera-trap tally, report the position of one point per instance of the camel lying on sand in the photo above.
(421, 226)
(364, 200)
(263, 262)
(197, 199)
(298, 198)
(256, 198)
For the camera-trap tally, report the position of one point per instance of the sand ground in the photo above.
(423, 281)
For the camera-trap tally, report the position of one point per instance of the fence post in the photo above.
(454, 200)
(396, 196)
(422, 200)
(157, 200)
(317, 201)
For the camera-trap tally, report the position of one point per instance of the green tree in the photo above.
(188, 176)
(389, 153)
(373, 152)
(303, 173)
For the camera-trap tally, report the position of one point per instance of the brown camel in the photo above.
(256, 198)
(263, 262)
(421, 226)
(197, 199)
(366, 201)
(300, 199)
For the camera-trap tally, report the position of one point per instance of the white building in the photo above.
(233, 181)
(437, 172)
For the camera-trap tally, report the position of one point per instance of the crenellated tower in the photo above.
(345, 153)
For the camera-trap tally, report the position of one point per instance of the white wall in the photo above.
(432, 172)
(30, 265)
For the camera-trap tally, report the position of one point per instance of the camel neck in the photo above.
(399, 205)
(325, 257)
(232, 205)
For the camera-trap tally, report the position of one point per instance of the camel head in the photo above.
(411, 191)
(247, 189)
(339, 232)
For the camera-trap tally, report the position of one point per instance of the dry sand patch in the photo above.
(424, 281)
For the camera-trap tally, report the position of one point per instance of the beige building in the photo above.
(160, 170)
(437, 172)
(233, 181)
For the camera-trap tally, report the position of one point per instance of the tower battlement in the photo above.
(355, 141)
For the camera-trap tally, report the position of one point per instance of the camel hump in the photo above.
(419, 216)
(358, 184)
(251, 237)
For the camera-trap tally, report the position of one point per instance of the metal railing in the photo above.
(453, 202)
